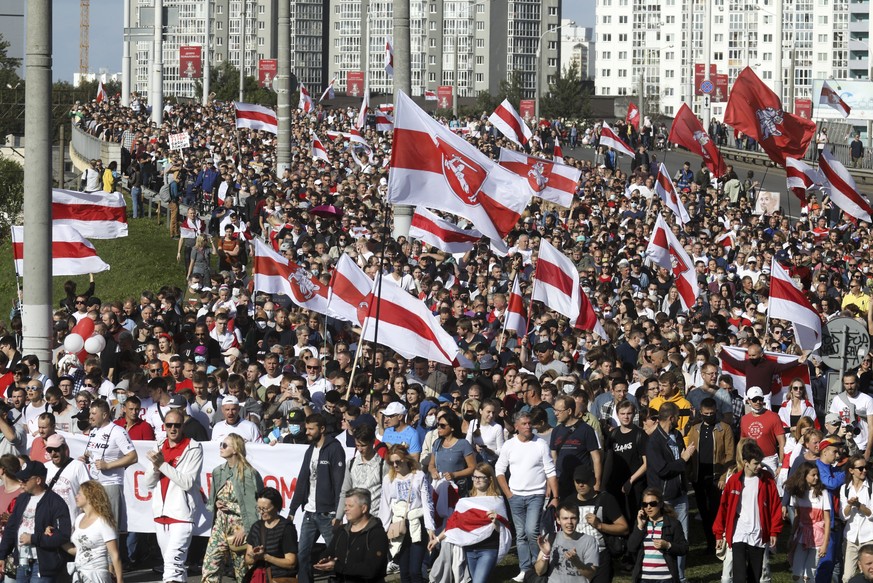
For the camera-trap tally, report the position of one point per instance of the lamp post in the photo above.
(537, 72)
(242, 49)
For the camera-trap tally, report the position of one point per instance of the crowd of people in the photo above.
(595, 454)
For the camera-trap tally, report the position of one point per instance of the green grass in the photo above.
(145, 259)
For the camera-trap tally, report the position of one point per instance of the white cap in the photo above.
(231, 400)
(754, 393)
(394, 408)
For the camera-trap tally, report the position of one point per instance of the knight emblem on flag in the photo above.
(465, 177)
(302, 284)
(768, 120)
(677, 262)
(537, 176)
(702, 138)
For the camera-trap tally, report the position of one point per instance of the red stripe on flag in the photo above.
(446, 235)
(512, 122)
(839, 184)
(88, 212)
(397, 315)
(346, 290)
(553, 275)
(257, 116)
(268, 267)
(419, 152)
(60, 250)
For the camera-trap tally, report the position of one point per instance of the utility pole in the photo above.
(283, 89)
(402, 82)
(36, 317)
(157, 97)
(706, 110)
(242, 50)
(206, 55)
(125, 57)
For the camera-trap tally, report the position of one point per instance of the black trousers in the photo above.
(708, 497)
(748, 563)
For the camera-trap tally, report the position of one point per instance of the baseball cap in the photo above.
(823, 444)
(583, 475)
(394, 408)
(179, 402)
(832, 419)
(30, 470)
(55, 440)
(229, 400)
(754, 393)
(487, 362)
(296, 416)
(364, 419)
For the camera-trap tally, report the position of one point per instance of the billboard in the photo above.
(355, 83)
(803, 108)
(699, 69)
(267, 69)
(527, 108)
(189, 63)
(720, 91)
(444, 97)
(857, 94)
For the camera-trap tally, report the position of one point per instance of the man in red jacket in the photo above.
(750, 516)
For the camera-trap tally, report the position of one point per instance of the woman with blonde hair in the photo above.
(233, 502)
(406, 512)
(201, 255)
(94, 541)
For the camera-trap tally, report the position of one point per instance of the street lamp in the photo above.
(536, 66)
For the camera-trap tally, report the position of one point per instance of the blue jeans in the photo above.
(25, 575)
(831, 561)
(480, 563)
(680, 505)
(526, 511)
(410, 560)
(314, 523)
(136, 201)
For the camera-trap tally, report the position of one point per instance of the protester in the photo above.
(94, 541)
(272, 540)
(571, 555)
(657, 539)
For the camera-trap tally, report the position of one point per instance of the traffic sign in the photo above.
(706, 87)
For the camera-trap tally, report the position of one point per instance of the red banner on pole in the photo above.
(699, 69)
(527, 108)
(720, 93)
(355, 83)
(444, 97)
(803, 108)
(190, 63)
(267, 69)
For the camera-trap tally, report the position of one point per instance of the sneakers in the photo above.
(392, 568)
(519, 578)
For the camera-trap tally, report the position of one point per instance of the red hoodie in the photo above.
(769, 507)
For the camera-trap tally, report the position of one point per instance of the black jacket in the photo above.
(329, 477)
(51, 511)
(361, 557)
(670, 532)
(665, 471)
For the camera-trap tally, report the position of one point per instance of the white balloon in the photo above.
(95, 344)
(74, 343)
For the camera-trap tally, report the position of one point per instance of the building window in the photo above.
(431, 59)
(431, 43)
(553, 10)
(431, 24)
(553, 45)
(480, 25)
(431, 77)
(606, 38)
(552, 63)
(262, 25)
(604, 72)
(219, 25)
(480, 78)
(480, 60)
(480, 43)
(262, 9)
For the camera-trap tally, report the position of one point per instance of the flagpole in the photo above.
(379, 281)
(505, 317)
(355, 363)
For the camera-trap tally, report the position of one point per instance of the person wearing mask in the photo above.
(60, 407)
(713, 441)
(666, 464)
(272, 540)
(358, 550)
(37, 529)
(749, 517)
(658, 540)
(174, 479)
(318, 490)
(233, 502)
(296, 427)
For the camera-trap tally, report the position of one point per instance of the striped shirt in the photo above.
(654, 565)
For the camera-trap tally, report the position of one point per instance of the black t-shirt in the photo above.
(280, 539)
(574, 445)
(628, 450)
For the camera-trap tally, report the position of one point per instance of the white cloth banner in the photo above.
(279, 466)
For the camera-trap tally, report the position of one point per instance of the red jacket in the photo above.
(769, 507)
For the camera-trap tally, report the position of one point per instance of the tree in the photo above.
(224, 82)
(512, 89)
(11, 194)
(566, 96)
(8, 66)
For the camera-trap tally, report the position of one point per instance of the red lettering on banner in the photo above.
(278, 482)
(137, 475)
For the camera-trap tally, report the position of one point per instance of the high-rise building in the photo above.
(478, 42)
(577, 49)
(655, 45)
(12, 29)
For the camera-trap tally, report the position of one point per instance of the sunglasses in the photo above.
(173, 425)
(757, 400)
(36, 387)
(442, 425)
(52, 449)
(860, 468)
(649, 504)
(396, 463)
(312, 367)
(153, 370)
(223, 445)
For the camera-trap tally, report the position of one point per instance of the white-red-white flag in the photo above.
(781, 382)
(406, 325)
(610, 139)
(470, 523)
(434, 168)
(726, 239)
(831, 98)
(389, 58)
(328, 92)
(587, 319)
(667, 191)
(349, 288)
(353, 136)
(556, 281)
(800, 177)
(72, 254)
(791, 304)
(516, 315)
(256, 117)
(96, 215)
(189, 229)
(384, 121)
(275, 274)
(842, 189)
(101, 93)
(361, 121)
(558, 152)
(306, 104)
(548, 180)
(319, 152)
(430, 95)
(510, 124)
(440, 233)
(665, 250)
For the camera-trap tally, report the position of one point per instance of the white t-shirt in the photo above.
(90, 543)
(748, 528)
(529, 463)
(863, 406)
(68, 483)
(313, 480)
(108, 443)
(28, 526)
(244, 428)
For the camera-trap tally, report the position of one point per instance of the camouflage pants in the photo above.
(217, 549)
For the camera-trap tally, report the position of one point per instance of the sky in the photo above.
(106, 25)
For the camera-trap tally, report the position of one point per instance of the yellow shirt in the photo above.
(861, 300)
(681, 402)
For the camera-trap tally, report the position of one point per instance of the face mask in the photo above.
(756, 360)
(695, 338)
(58, 407)
(199, 359)
(430, 421)
(294, 429)
(195, 286)
(708, 419)
(684, 353)
(268, 313)
(261, 324)
(469, 416)
(121, 398)
(568, 389)
(271, 324)
(700, 363)
(229, 360)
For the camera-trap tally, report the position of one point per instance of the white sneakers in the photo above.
(519, 578)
